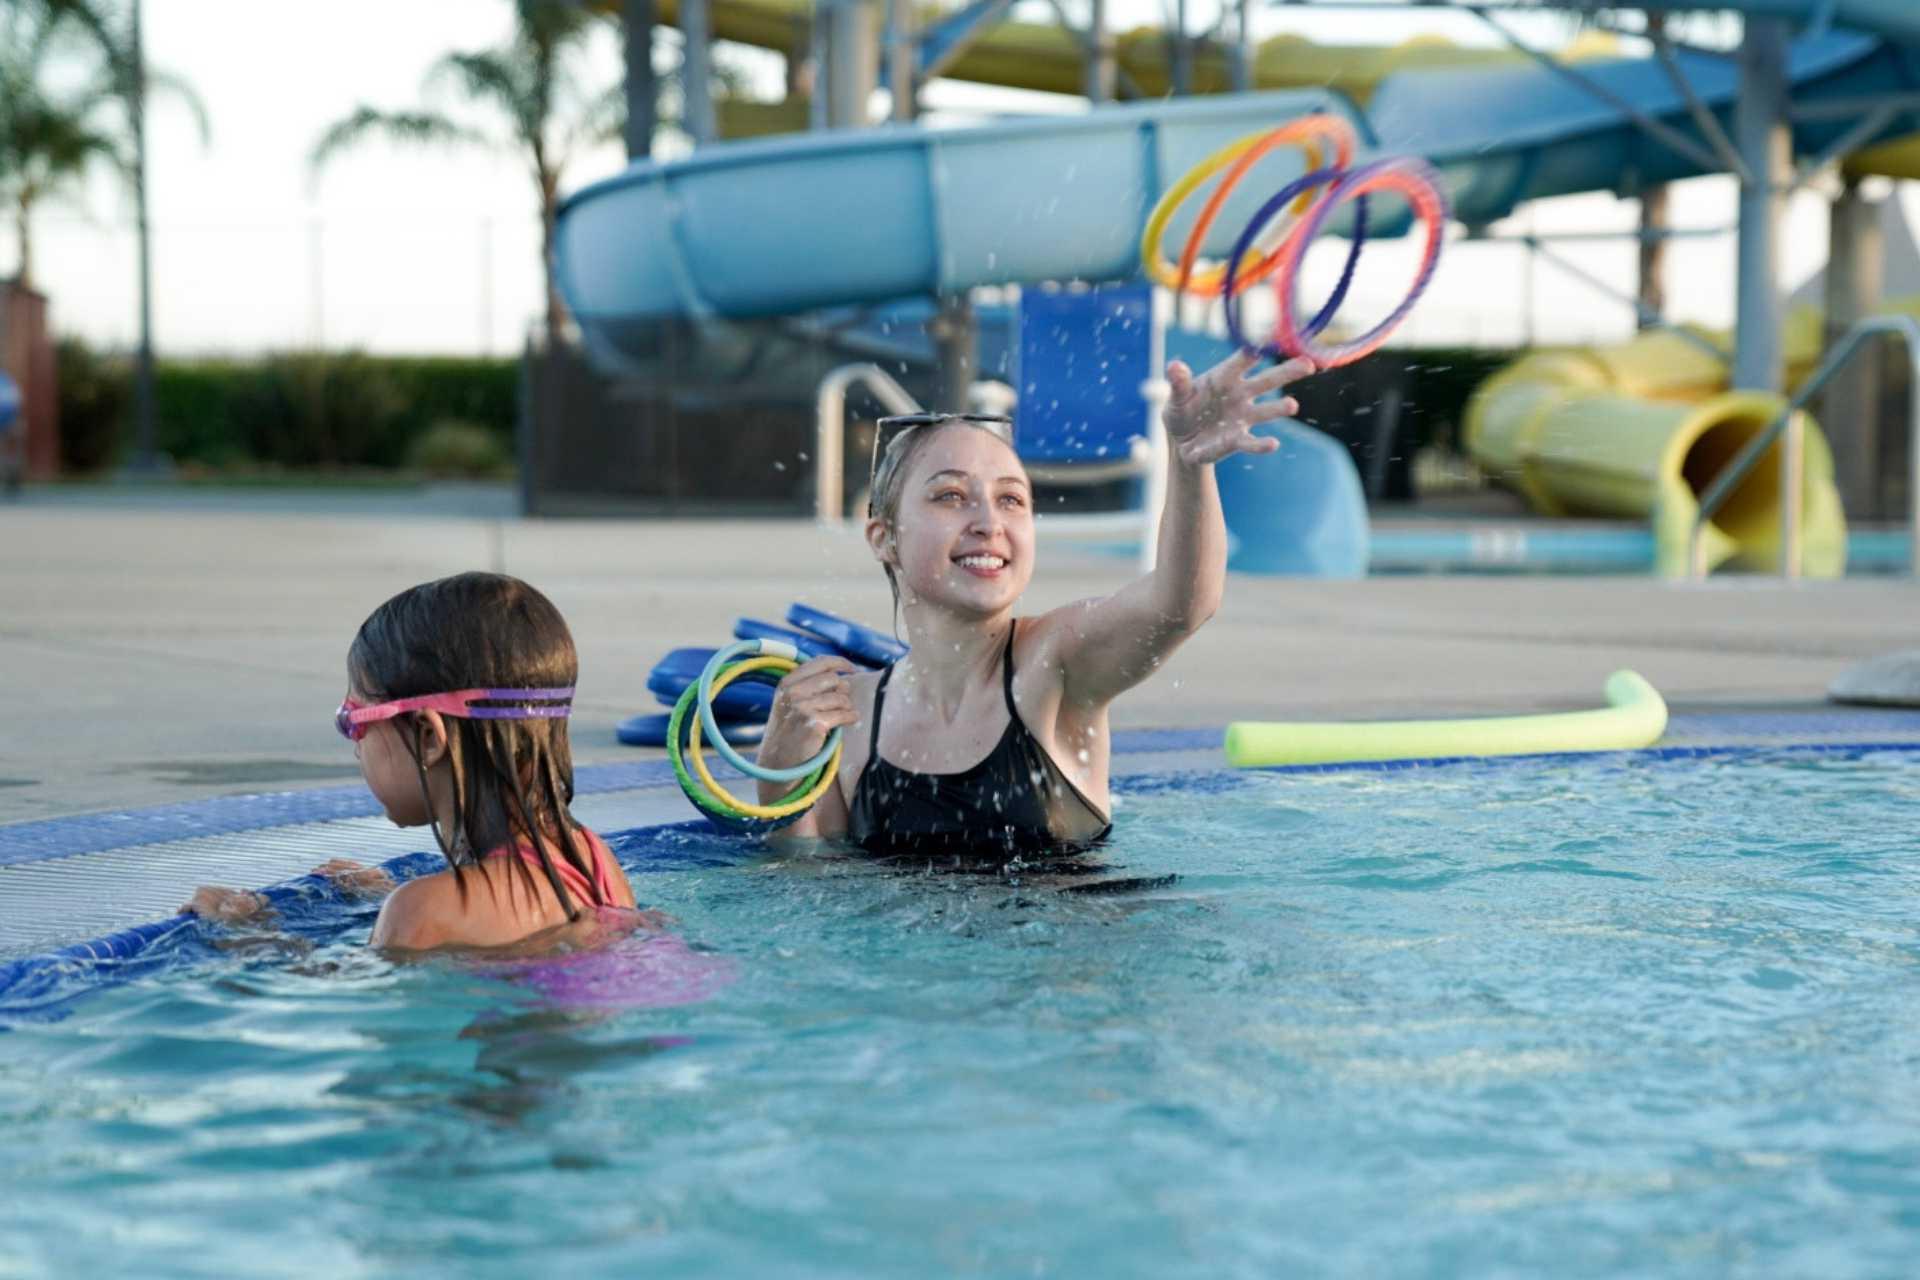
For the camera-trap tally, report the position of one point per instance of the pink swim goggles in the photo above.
(353, 719)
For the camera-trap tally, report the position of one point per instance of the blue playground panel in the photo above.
(1084, 354)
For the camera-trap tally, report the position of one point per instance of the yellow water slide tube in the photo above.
(1049, 58)
(1635, 717)
(1640, 431)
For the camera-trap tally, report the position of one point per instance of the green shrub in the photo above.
(95, 392)
(292, 409)
(451, 449)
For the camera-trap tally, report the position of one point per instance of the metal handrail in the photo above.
(1791, 456)
(830, 431)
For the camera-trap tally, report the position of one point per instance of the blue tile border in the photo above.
(24, 842)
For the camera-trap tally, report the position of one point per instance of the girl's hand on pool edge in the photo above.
(228, 906)
(354, 879)
(810, 702)
(1212, 416)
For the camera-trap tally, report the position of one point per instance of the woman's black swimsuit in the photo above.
(1015, 804)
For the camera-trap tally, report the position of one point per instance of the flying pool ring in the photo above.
(1279, 237)
(1420, 185)
(1235, 286)
(760, 651)
(680, 726)
(796, 802)
(1309, 132)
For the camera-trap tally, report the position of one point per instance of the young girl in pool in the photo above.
(457, 704)
(990, 738)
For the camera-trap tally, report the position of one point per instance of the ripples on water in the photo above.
(1569, 1019)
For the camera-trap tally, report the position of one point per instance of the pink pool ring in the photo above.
(1419, 184)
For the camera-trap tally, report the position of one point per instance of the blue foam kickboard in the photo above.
(650, 730)
(672, 675)
(862, 644)
(810, 646)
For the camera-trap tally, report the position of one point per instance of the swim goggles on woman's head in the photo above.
(354, 718)
(889, 429)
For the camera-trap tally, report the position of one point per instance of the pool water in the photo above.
(1621, 1016)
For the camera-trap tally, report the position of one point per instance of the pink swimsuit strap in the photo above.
(597, 892)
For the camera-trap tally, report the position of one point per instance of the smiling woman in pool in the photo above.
(991, 737)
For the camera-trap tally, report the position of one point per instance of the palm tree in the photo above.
(49, 139)
(33, 30)
(530, 86)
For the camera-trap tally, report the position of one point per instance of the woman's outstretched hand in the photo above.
(1212, 416)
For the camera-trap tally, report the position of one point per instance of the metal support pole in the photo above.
(1850, 407)
(1102, 56)
(146, 458)
(1155, 391)
(956, 337)
(1241, 64)
(643, 88)
(1793, 498)
(900, 61)
(850, 62)
(1653, 256)
(1182, 60)
(696, 71)
(1760, 131)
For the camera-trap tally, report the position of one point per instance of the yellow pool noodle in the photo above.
(1635, 716)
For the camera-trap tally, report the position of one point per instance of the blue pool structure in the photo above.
(1640, 1012)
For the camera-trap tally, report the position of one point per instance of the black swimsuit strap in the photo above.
(879, 698)
(1006, 671)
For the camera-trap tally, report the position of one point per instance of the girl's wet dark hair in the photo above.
(512, 779)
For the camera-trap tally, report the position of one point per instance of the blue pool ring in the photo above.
(709, 719)
(674, 674)
(861, 644)
(650, 729)
(810, 646)
(1244, 245)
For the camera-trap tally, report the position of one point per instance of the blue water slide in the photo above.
(775, 227)
(792, 225)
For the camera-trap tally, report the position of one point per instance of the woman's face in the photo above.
(963, 533)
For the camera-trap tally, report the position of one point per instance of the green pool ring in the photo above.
(691, 786)
(1635, 717)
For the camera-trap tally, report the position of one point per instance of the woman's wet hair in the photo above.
(512, 778)
(889, 481)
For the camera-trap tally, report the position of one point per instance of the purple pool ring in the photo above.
(1414, 179)
(1244, 245)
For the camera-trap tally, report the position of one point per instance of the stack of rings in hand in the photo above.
(693, 724)
(1297, 216)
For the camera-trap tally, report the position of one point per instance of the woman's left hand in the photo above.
(1212, 416)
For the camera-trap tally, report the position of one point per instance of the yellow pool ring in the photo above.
(697, 757)
(1152, 249)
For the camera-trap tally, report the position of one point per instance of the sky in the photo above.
(403, 250)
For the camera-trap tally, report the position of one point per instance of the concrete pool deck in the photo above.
(158, 647)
